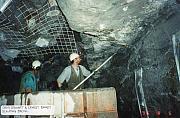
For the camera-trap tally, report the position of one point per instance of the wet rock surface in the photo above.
(140, 32)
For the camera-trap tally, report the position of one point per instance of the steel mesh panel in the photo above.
(21, 30)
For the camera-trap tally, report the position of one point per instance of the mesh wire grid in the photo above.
(22, 26)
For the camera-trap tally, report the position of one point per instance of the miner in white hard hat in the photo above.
(72, 75)
(36, 64)
(30, 78)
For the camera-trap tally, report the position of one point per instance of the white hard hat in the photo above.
(73, 56)
(36, 64)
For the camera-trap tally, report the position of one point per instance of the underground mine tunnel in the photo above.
(131, 49)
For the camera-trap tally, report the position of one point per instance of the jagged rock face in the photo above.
(113, 20)
(106, 24)
(139, 31)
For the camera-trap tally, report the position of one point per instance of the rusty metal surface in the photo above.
(101, 100)
(102, 115)
(93, 103)
(73, 102)
(87, 103)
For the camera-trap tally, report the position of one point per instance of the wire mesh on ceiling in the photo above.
(35, 31)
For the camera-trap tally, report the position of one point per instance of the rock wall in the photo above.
(140, 33)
